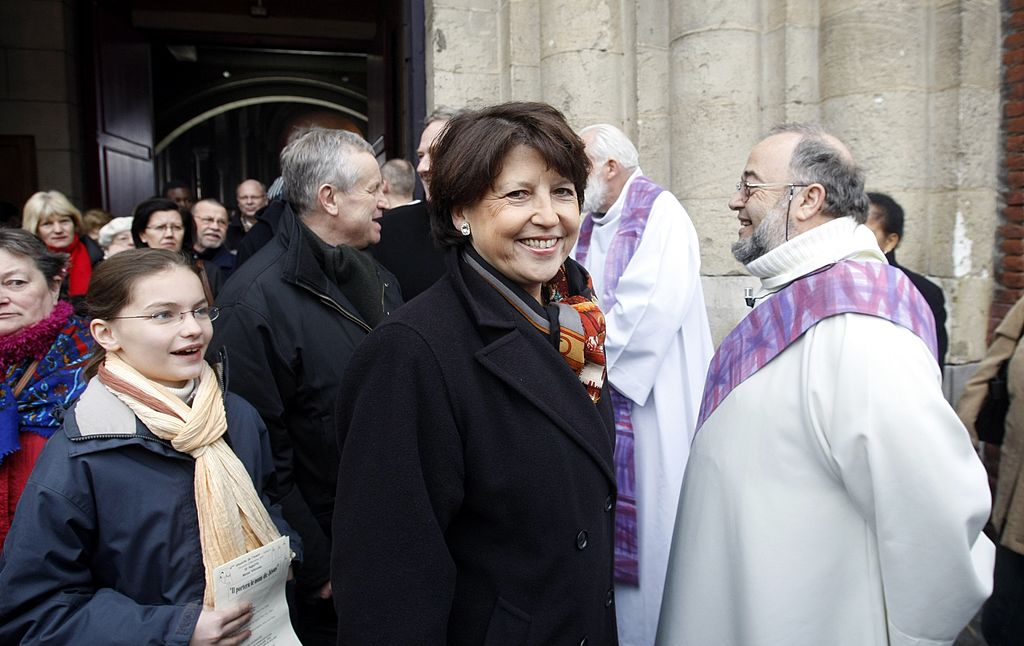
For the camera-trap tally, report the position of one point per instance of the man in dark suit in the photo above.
(407, 247)
(885, 218)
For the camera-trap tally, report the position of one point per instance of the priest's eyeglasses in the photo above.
(747, 188)
(163, 317)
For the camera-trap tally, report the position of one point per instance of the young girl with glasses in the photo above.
(156, 479)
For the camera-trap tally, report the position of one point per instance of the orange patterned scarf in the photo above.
(583, 352)
(571, 311)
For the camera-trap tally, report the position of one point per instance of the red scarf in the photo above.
(79, 269)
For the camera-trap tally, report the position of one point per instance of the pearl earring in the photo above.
(465, 229)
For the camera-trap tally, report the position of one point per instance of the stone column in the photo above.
(520, 21)
(919, 109)
(583, 64)
(653, 96)
(463, 49)
(875, 98)
(716, 72)
(965, 202)
(791, 62)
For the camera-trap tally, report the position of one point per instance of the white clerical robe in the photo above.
(658, 348)
(833, 498)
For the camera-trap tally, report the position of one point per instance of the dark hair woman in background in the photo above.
(158, 223)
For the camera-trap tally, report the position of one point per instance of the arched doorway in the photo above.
(216, 86)
(234, 129)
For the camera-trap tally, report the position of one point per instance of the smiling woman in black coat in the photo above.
(476, 492)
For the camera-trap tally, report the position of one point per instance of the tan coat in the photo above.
(1008, 509)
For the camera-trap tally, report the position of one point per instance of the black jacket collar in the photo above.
(301, 268)
(516, 353)
(484, 304)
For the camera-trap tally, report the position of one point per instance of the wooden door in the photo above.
(124, 113)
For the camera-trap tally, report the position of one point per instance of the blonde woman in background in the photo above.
(52, 218)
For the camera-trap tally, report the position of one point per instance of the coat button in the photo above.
(610, 599)
(609, 503)
(581, 539)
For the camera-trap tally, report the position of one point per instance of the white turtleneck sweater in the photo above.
(833, 498)
(186, 392)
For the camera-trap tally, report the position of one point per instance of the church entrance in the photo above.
(207, 91)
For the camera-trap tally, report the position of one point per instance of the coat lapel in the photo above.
(519, 356)
(524, 361)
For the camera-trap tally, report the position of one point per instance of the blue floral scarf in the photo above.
(62, 345)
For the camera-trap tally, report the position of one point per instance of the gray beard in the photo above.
(769, 234)
(594, 195)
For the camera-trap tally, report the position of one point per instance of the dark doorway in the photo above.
(18, 176)
(224, 113)
(228, 81)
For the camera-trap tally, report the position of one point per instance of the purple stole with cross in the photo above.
(632, 222)
(846, 287)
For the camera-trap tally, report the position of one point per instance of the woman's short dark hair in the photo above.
(19, 242)
(112, 282)
(471, 150)
(140, 220)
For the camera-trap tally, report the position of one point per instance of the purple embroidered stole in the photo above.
(849, 286)
(632, 222)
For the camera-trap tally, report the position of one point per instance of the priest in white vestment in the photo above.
(832, 497)
(641, 250)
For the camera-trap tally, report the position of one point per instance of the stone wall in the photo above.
(38, 88)
(912, 87)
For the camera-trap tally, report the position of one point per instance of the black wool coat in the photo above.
(407, 249)
(476, 490)
(290, 331)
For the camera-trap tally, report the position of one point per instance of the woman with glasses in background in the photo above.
(156, 479)
(158, 223)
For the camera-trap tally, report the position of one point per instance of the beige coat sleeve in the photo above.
(1000, 350)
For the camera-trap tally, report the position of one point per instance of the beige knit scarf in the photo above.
(232, 518)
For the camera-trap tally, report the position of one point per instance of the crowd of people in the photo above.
(495, 415)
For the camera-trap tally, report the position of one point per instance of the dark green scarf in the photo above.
(354, 272)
